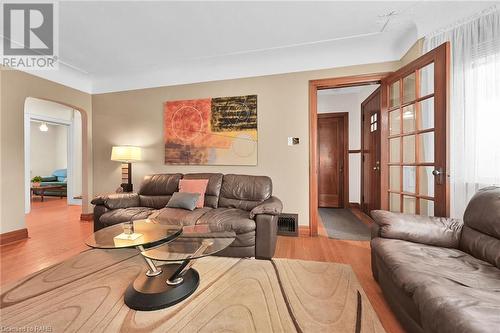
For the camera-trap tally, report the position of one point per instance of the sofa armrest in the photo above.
(98, 201)
(99, 210)
(117, 200)
(271, 206)
(266, 234)
(436, 231)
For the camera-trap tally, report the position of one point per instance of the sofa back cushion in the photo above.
(61, 175)
(244, 192)
(156, 190)
(213, 188)
(481, 233)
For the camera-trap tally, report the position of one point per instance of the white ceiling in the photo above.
(122, 45)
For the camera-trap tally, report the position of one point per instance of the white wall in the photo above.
(348, 100)
(48, 150)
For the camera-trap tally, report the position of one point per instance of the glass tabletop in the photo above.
(194, 242)
(144, 232)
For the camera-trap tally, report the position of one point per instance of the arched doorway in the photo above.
(67, 119)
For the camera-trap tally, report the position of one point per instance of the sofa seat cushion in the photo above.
(115, 216)
(458, 309)
(244, 240)
(413, 265)
(178, 216)
(236, 219)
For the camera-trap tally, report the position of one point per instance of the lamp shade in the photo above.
(126, 154)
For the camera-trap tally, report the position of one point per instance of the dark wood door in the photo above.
(370, 153)
(332, 145)
(415, 136)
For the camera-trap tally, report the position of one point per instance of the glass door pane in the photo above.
(409, 149)
(409, 88)
(409, 119)
(394, 95)
(427, 80)
(426, 151)
(426, 114)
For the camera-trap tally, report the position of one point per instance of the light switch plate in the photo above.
(293, 141)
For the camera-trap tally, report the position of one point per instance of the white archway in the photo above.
(76, 126)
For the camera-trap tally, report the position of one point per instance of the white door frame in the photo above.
(27, 157)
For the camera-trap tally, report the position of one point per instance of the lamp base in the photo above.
(127, 187)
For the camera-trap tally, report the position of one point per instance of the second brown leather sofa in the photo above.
(243, 202)
(441, 274)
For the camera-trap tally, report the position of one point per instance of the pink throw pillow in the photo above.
(195, 186)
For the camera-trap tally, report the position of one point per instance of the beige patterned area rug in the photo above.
(85, 294)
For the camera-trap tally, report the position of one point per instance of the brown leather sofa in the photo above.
(243, 202)
(441, 274)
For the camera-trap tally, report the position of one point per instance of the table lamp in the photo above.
(126, 155)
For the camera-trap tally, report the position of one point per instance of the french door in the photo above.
(414, 130)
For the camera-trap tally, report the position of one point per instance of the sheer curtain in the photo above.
(474, 104)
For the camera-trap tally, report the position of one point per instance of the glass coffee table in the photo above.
(167, 284)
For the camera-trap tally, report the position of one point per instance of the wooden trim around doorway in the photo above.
(13, 236)
(345, 152)
(314, 86)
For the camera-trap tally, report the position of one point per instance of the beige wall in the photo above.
(16, 86)
(413, 53)
(135, 118)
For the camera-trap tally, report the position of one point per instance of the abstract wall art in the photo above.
(211, 131)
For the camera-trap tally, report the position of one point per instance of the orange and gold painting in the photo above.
(211, 131)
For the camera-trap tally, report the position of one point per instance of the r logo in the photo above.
(28, 29)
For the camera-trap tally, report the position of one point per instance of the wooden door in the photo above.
(370, 153)
(332, 143)
(415, 168)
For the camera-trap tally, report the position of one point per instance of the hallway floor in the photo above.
(55, 233)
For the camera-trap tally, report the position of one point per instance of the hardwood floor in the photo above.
(56, 233)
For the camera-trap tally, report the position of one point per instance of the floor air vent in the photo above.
(288, 224)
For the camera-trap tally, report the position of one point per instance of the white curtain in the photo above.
(474, 104)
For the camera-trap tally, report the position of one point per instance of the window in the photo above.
(474, 105)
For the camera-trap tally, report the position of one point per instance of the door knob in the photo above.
(438, 173)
